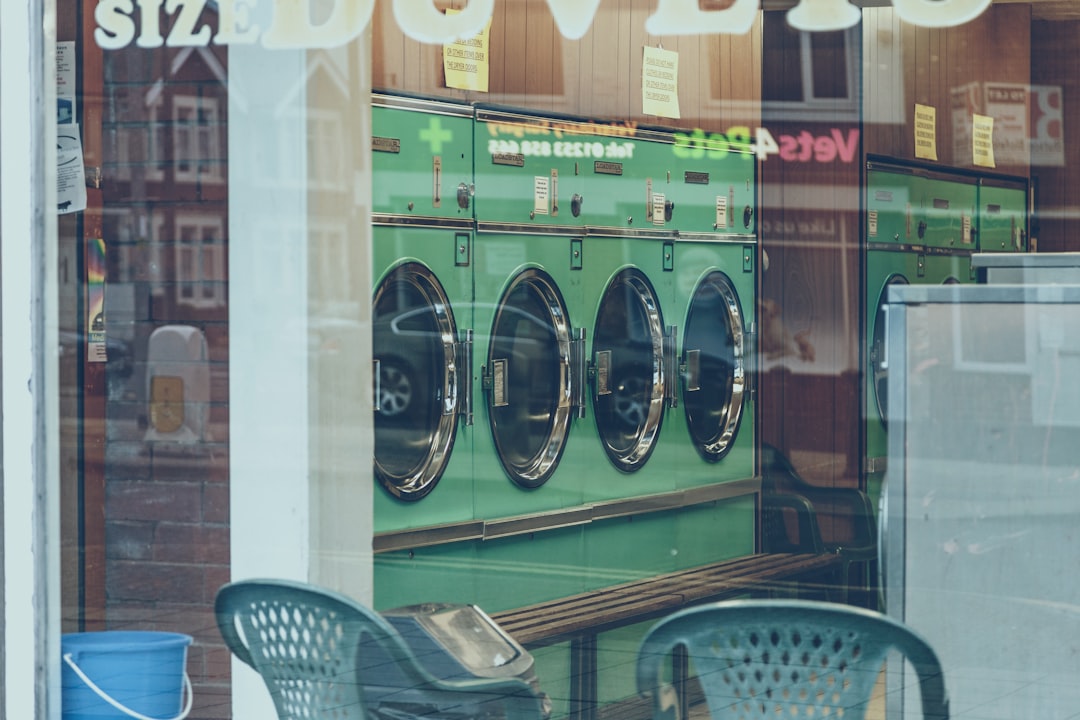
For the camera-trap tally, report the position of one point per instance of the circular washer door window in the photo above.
(530, 390)
(715, 379)
(630, 377)
(416, 384)
(879, 369)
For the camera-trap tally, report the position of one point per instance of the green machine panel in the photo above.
(945, 213)
(714, 190)
(422, 158)
(1003, 216)
(529, 169)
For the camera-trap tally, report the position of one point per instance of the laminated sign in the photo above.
(660, 83)
(467, 63)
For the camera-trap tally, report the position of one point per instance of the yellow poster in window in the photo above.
(925, 132)
(660, 83)
(982, 141)
(467, 63)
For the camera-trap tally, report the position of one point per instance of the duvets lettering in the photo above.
(123, 22)
(804, 147)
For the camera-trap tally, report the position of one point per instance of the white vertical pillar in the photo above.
(28, 294)
(300, 418)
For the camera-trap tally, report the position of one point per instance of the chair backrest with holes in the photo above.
(306, 642)
(786, 658)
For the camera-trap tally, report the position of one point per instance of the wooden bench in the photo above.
(578, 619)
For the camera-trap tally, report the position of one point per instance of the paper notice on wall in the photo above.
(65, 82)
(660, 83)
(467, 63)
(982, 141)
(925, 132)
(70, 173)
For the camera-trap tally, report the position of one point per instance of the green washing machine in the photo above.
(715, 284)
(920, 230)
(628, 259)
(422, 312)
(633, 460)
(1003, 215)
(529, 353)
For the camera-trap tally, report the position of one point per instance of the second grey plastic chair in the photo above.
(846, 513)
(318, 650)
(784, 659)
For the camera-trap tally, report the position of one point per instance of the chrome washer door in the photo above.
(714, 378)
(530, 390)
(879, 369)
(629, 372)
(413, 343)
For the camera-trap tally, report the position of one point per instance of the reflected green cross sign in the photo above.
(436, 136)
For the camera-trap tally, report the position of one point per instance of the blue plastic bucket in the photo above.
(125, 674)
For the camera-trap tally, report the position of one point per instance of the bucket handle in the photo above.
(128, 711)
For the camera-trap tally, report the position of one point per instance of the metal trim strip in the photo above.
(716, 238)
(614, 232)
(427, 536)
(924, 249)
(505, 228)
(554, 520)
(404, 102)
(524, 524)
(391, 220)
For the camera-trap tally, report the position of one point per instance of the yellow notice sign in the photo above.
(467, 63)
(660, 83)
(982, 141)
(925, 132)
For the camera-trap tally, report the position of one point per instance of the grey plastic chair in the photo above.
(784, 659)
(323, 655)
(846, 512)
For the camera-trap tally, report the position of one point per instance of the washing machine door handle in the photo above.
(671, 365)
(462, 377)
(579, 372)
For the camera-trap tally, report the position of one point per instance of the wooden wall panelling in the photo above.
(387, 49)
(605, 55)
(623, 50)
(539, 58)
(638, 40)
(584, 96)
(957, 61)
(515, 47)
(694, 71)
(497, 51)
(1009, 44)
(1054, 58)
(569, 74)
(886, 46)
(749, 51)
(429, 65)
(412, 58)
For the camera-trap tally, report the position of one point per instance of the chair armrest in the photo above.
(852, 504)
(774, 529)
